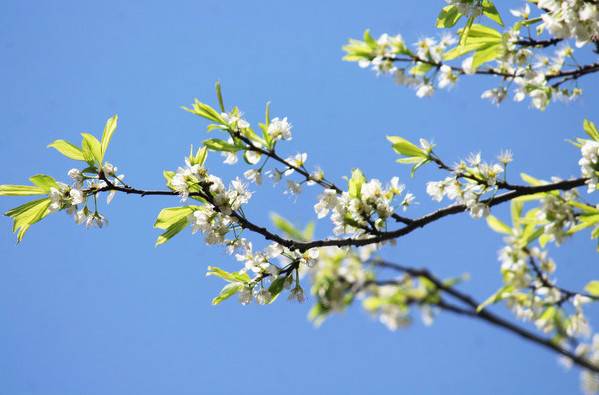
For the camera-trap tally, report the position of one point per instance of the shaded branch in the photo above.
(485, 315)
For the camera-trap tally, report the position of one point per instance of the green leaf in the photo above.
(531, 180)
(498, 226)
(584, 207)
(309, 230)
(417, 165)
(287, 227)
(479, 37)
(516, 211)
(200, 157)
(220, 145)
(276, 287)
(486, 54)
(420, 68)
(527, 23)
(591, 130)
(169, 216)
(405, 148)
(67, 149)
(107, 135)
(532, 236)
(496, 297)
(491, 12)
(371, 42)
(592, 288)
(92, 149)
(231, 277)
(172, 230)
(355, 183)
(205, 111)
(448, 16)
(20, 190)
(27, 214)
(464, 36)
(228, 291)
(220, 97)
(43, 181)
(454, 280)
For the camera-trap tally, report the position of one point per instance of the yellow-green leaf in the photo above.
(490, 12)
(498, 226)
(20, 190)
(448, 16)
(67, 149)
(592, 288)
(107, 135)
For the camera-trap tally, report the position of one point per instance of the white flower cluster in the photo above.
(234, 121)
(589, 380)
(571, 19)
(589, 163)
(529, 297)
(336, 271)
(65, 197)
(563, 19)
(373, 205)
(279, 129)
(531, 77)
(260, 264)
(186, 176)
(465, 190)
(68, 198)
(559, 214)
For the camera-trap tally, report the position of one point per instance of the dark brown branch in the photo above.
(530, 42)
(518, 190)
(485, 315)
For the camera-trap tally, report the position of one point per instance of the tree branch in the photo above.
(485, 315)
(518, 190)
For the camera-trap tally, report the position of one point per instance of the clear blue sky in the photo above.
(104, 312)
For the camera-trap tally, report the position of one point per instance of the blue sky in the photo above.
(104, 312)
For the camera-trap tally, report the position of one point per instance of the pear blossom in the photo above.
(279, 129)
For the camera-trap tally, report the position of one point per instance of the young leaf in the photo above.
(448, 16)
(220, 145)
(490, 12)
(530, 180)
(486, 54)
(276, 287)
(172, 230)
(355, 183)
(20, 190)
(231, 277)
(205, 111)
(498, 226)
(201, 156)
(27, 214)
(371, 42)
(464, 36)
(220, 97)
(92, 149)
(592, 288)
(287, 227)
(591, 130)
(107, 135)
(43, 181)
(420, 68)
(228, 291)
(67, 149)
(169, 216)
(405, 148)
